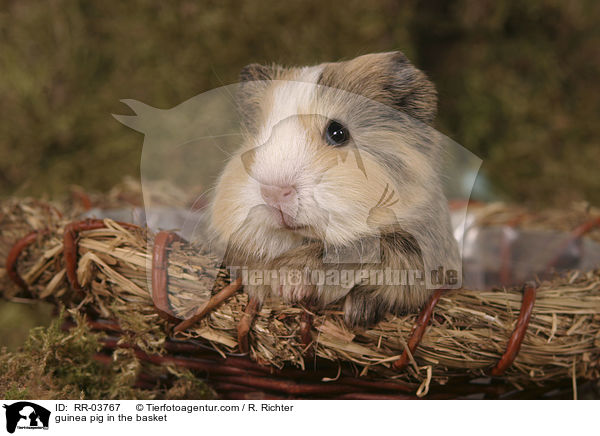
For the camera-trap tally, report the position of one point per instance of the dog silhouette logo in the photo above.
(26, 415)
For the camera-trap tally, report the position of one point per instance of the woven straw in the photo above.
(467, 334)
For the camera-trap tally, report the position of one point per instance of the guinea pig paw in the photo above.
(363, 310)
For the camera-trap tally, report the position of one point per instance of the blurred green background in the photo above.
(518, 81)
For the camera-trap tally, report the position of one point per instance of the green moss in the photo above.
(58, 364)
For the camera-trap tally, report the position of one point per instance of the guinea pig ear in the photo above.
(388, 78)
(254, 80)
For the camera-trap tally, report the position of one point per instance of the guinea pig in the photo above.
(337, 176)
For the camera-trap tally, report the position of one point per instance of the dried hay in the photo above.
(468, 333)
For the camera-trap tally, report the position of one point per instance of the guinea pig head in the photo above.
(335, 152)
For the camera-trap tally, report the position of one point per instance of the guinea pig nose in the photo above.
(277, 195)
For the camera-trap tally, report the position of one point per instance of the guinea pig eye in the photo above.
(336, 134)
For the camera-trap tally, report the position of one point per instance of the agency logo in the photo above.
(24, 415)
(325, 194)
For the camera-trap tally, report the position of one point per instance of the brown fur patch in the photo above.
(387, 78)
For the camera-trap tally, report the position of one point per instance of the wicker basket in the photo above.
(529, 341)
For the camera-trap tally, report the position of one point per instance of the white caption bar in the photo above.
(297, 417)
